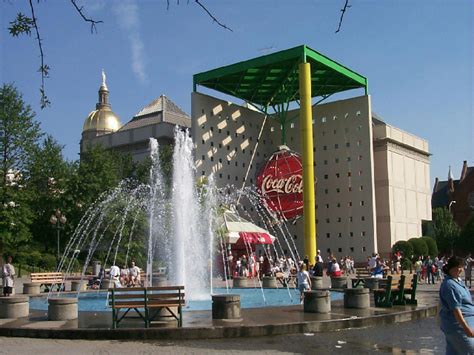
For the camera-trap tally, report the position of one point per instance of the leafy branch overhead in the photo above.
(25, 24)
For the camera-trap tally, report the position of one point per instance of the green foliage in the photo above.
(405, 248)
(21, 25)
(419, 247)
(446, 231)
(48, 262)
(19, 135)
(466, 239)
(432, 246)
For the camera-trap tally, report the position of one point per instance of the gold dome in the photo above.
(102, 119)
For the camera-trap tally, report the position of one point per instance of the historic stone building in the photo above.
(456, 195)
(158, 119)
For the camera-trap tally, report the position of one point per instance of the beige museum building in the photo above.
(372, 179)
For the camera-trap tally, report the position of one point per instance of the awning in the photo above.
(240, 231)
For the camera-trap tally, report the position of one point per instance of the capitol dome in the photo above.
(102, 119)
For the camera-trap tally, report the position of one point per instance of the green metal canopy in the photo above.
(272, 79)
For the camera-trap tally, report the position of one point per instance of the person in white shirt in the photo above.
(304, 281)
(8, 274)
(115, 275)
(134, 274)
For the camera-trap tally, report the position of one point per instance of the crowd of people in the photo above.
(121, 277)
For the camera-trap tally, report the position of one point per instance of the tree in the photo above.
(466, 239)
(19, 135)
(47, 182)
(446, 231)
(419, 247)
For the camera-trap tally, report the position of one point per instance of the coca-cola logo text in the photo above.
(292, 184)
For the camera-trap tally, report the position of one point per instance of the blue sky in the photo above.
(417, 56)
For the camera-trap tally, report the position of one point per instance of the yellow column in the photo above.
(306, 122)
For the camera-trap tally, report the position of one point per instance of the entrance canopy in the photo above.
(273, 79)
(240, 231)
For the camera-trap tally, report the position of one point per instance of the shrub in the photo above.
(48, 262)
(432, 246)
(419, 247)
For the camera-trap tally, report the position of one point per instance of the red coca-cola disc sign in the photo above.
(280, 183)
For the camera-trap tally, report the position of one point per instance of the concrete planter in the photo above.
(77, 285)
(106, 284)
(239, 282)
(316, 282)
(338, 282)
(14, 307)
(317, 302)
(357, 298)
(371, 283)
(269, 282)
(62, 308)
(226, 306)
(30, 288)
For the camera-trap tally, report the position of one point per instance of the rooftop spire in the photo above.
(450, 174)
(103, 79)
(103, 94)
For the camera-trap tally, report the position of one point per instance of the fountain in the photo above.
(177, 226)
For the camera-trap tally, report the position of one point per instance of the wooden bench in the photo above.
(361, 275)
(406, 292)
(48, 279)
(383, 295)
(147, 302)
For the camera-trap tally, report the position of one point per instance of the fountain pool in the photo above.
(249, 298)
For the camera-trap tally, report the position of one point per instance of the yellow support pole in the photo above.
(306, 122)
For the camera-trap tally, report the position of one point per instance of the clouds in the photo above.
(129, 22)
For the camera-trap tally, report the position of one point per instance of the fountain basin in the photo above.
(96, 301)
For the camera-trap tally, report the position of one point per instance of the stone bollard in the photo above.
(106, 284)
(30, 288)
(78, 285)
(316, 282)
(226, 306)
(371, 283)
(158, 281)
(356, 298)
(317, 301)
(14, 307)
(62, 308)
(239, 282)
(269, 282)
(338, 282)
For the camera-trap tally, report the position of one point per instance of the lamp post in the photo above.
(58, 220)
(450, 204)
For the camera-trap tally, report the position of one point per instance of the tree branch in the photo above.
(214, 19)
(87, 19)
(44, 68)
(343, 11)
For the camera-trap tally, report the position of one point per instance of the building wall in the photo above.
(226, 134)
(462, 209)
(402, 184)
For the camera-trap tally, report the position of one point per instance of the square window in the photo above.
(323, 120)
(337, 175)
(203, 157)
(362, 218)
(212, 158)
(351, 234)
(202, 111)
(327, 205)
(348, 158)
(349, 173)
(362, 233)
(323, 133)
(339, 250)
(203, 173)
(346, 130)
(339, 219)
(361, 187)
(202, 142)
(325, 162)
(359, 143)
(334, 132)
(328, 235)
(326, 176)
(336, 146)
(350, 219)
(358, 113)
(334, 117)
(228, 147)
(360, 157)
(349, 188)
(228, 133)
(338, 190)
(220, 145)
(220, 176)
(336, 160)
(352, 249)
(325, 147)
(212, 129)
(348, 144)
(212, 144)
(328, 250)
(338, 204)
(340, 235)
(363, 249)
(349, 204)
(362, 203)
(328, 220)
(326, 191)
(228, 177)
(360, 172)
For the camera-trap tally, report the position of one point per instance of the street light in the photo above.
(58, 220)
(449, 207)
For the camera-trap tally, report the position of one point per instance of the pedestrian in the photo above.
(8, 276)
(304, 281)
(457, 310)
(418, 268)
(134, 275)
(467, 269)
(429, 270)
